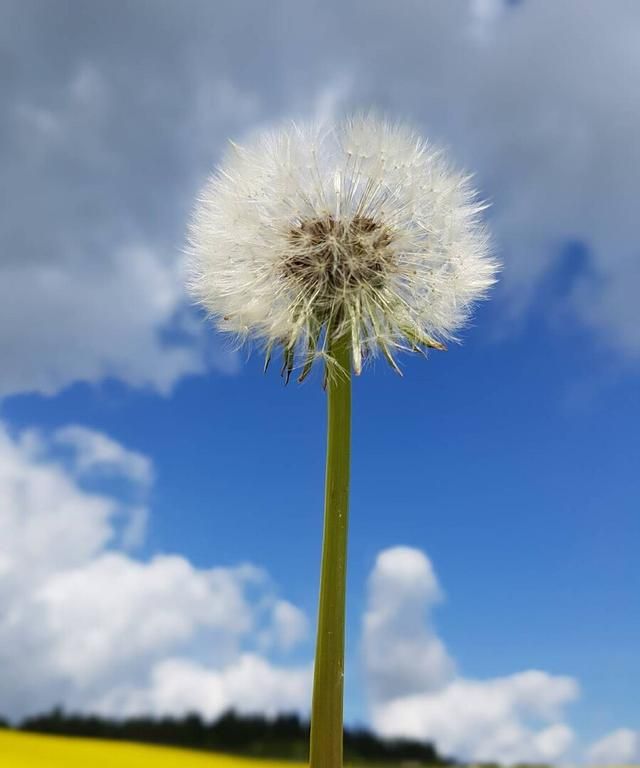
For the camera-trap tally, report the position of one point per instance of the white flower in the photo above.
(363, 231)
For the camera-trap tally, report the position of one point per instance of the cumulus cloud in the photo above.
(249, 684)
(486, 720)
(287, 628)
(402, 654)
(46, 521)
(619, 747)
(92, 614)
(105, 138)
(85, 623)
(96, 159)
(95, 451)
(418, 694)
(86, 320)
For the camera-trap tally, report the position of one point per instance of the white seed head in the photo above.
(360, 231)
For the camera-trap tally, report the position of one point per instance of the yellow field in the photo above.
(25, 750)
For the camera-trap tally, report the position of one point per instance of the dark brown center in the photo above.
(330, 258)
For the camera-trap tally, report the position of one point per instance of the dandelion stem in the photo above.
(328, 682)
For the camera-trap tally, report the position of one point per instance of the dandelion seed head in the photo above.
(360, 231)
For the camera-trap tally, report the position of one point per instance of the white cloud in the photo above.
(249, 684)
(486, 720)
(49, 525)
(135, 530)
(288, 627)
(114, 609)
(620, 747)
(46, 521)
(90, 626)
(80, 319)
(402, 655)
(90, 274)
(416, 693)
(95, 451)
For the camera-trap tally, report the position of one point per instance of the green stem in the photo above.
(328, 680)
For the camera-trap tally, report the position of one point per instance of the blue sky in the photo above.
(510, 462)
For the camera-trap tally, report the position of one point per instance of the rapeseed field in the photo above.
(26, 750)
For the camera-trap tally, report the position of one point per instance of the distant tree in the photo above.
(284, 736)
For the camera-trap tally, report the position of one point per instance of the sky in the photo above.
(161, 498)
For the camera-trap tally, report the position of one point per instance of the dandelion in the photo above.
(336, 244)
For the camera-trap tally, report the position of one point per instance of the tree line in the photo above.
(284, 737)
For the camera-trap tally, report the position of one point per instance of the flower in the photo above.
(361, 231)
